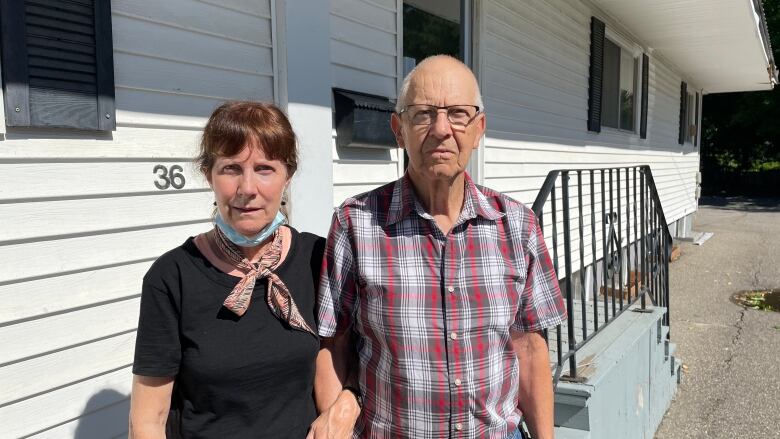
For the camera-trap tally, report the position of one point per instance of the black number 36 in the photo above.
(166, 178)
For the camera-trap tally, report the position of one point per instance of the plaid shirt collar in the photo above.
(405, 201)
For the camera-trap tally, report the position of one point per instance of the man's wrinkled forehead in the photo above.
(442, 84)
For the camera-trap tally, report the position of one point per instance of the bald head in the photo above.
(448, 76)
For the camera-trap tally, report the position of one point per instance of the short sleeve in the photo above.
(157, 345)
(541, 302)
(336, 299)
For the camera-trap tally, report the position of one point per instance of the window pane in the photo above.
(627, 90)
(610, 97)
(431, 28)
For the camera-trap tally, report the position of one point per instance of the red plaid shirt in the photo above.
(432, 312)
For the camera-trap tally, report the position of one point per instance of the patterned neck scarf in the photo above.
(278, 297)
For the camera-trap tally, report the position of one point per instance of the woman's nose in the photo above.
(247, 186)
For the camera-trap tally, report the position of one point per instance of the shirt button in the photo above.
(451, 289)
(459, 426)
(458, 381)
(454, 335)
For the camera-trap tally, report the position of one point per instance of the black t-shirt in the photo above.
(236, 377)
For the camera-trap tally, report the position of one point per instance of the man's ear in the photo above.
(395, 125)
(481, 124)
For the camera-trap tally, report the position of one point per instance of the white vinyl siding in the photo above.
(535, 61)
(364, 58)
(83, 221)
(535, 70)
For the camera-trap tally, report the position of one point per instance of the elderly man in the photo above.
(441, 286)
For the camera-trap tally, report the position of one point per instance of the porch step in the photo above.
(571, 433)
(626, 377)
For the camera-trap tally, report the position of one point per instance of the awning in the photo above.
(720, 45)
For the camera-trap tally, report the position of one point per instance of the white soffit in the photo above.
(716, 43)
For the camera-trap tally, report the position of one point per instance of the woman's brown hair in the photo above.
(235, 124)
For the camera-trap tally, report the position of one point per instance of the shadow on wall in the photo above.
(104, 417)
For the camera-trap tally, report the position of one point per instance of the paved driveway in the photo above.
(732, 385)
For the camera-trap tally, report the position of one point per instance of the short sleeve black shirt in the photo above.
(237, 377)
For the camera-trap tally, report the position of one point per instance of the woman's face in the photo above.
(248, 188)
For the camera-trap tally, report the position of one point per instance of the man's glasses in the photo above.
(458, 115)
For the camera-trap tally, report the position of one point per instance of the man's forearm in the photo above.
(536, 390)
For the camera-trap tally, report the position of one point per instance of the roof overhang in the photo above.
(720, 45)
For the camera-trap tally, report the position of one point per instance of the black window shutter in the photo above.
(60, 55)
(597, 32)
(645, 96)
(683, 109)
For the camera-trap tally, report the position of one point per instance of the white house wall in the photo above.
(364, 50)
(83, 221)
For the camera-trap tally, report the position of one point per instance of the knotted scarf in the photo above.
(278, 297)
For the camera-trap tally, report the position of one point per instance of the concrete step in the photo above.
(571, 433)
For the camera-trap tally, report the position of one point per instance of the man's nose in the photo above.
(440, 127)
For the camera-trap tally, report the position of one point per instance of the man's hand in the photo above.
(338, 421)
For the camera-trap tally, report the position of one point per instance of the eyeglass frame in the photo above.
(447, 108)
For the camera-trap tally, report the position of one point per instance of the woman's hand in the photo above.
(338, 421)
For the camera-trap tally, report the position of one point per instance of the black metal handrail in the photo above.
(622, 271)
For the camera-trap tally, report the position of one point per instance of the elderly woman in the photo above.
(226, 346)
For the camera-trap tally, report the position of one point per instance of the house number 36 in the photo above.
(167, 177)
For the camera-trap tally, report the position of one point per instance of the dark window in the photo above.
(57, 59)
(619, 87)
(431, 29)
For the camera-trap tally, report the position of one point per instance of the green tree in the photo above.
(741, 131)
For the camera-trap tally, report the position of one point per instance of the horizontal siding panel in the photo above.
(380, 173)
(354, 56)
(88, 178)
(65, 404)
(65, 255)
(51, 218)
(58, 294)
(348, 30)
(157, 40)
(260, 8)
(41, 336)
(364, 12)
(125, 142)
(362, 81)
(167, 76)
(65, 367)
(137, 107)
(99, 421)
(198, 16)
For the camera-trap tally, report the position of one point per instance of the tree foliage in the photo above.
(741, 131)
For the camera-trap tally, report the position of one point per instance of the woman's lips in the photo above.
(246, 209)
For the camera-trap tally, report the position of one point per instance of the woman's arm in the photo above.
(149, 405)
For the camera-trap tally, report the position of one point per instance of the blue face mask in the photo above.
(243, 241)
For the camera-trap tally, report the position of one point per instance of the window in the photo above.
(619, 87)
(432, 28)
(57, 60)
(613, 83)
